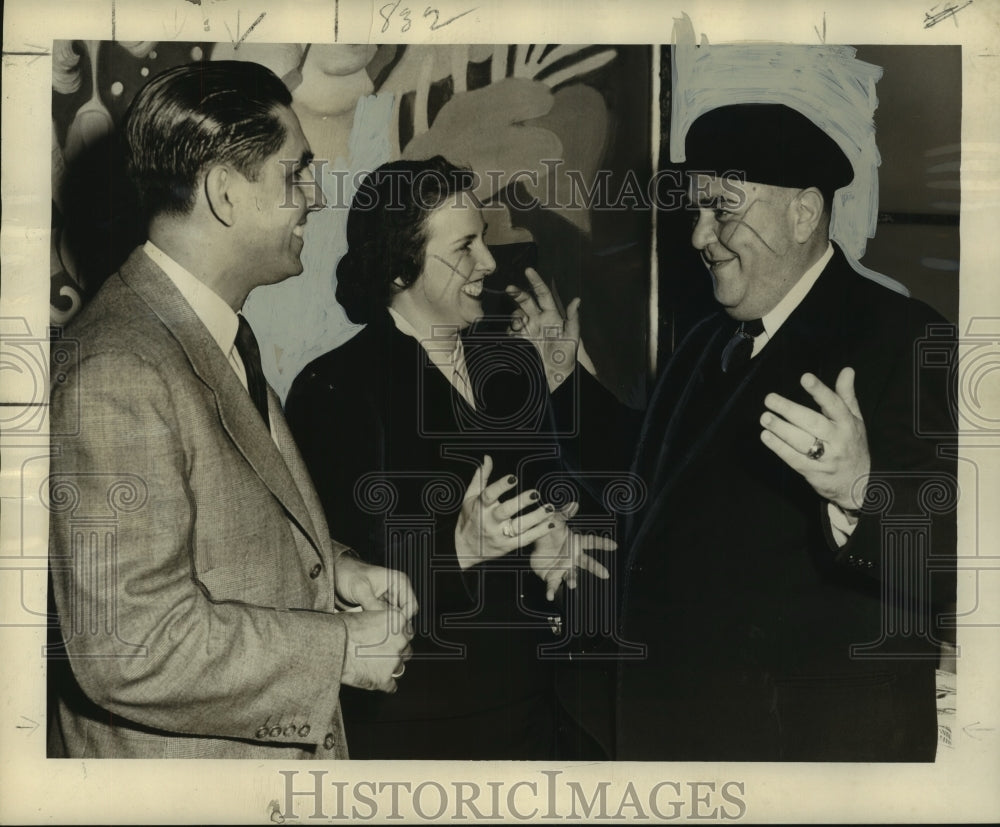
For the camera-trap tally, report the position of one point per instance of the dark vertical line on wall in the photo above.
(655, 146)
(114, 22)
(336, 20)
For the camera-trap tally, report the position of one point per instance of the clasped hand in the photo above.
(378, 637)
(378, 646)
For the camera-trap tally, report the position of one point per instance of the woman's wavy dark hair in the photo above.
(386, 230)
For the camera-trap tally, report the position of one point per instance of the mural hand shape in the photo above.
(485, 129)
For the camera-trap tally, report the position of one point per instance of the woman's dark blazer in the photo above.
(392, 447)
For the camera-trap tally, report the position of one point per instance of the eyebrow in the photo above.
(471, 236)
(305, 159)
(293, 168)
(711, 202)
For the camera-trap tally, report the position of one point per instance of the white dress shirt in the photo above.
(445, 352)
(213, 311)
(792, 299)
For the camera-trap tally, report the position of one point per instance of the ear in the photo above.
(807, 209)
(221, 187)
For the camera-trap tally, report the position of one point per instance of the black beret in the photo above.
(767, 143)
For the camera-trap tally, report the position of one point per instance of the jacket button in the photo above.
(304, 730)
(289, 731)
(315, 571)
(275, 731)
(262, 732)
(328, 742)
(871, 564)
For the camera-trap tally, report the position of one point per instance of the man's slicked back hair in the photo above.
(193, 116)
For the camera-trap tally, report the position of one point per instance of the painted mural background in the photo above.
(549, 129)
(561, 137)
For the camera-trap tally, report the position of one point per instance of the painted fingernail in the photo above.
(533, 495)
(550, 508)
(511, 479)
(552, 525)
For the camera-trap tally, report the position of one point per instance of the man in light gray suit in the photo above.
(201, 599)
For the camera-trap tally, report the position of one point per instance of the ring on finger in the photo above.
(399, 672)
(507, 528)
(817, 449)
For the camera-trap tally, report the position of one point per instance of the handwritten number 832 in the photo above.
(389, 9)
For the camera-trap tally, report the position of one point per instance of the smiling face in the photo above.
(273, 215)
(745, 234)
(449, 289)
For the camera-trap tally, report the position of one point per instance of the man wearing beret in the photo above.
(788, 572)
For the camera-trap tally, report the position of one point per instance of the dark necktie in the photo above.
(737, 352)
(246, 345)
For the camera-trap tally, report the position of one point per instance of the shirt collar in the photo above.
(448, 358)
(783, 309)
(209, 306)
(438, 354)
(402, 325)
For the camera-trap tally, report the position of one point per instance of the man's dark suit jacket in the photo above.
(392, 447)
(767, 642)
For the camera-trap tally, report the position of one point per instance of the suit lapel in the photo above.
(668, 462)
(237, 413)
(807, 338)
(679, 453)
(315, 526)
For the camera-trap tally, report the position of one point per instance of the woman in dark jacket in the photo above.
(392, 425)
